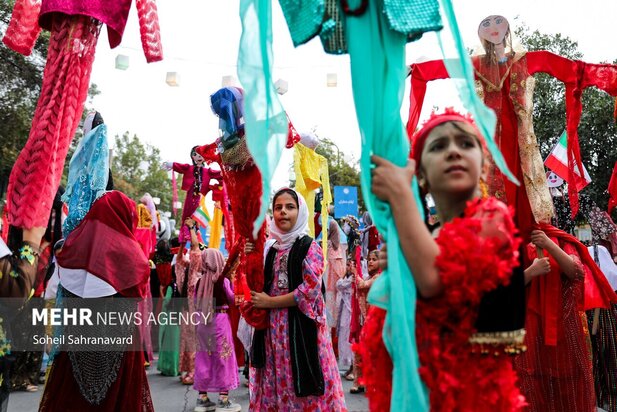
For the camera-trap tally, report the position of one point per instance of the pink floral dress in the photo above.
(271, 387)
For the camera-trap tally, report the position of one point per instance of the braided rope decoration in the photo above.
(37, 172)
(150, 30)
(23, 30)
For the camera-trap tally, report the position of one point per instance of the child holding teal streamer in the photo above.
(472, 255)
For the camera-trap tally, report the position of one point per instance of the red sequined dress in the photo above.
(462, 369)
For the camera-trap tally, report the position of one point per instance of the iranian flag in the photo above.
(557, 161)
(201, 215)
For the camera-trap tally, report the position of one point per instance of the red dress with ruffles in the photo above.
(478, 253)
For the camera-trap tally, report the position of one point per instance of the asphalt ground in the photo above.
(168, 394)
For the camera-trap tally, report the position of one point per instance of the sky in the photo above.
(200, 42)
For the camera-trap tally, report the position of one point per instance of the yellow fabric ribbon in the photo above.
(312, 173)
(216, 228)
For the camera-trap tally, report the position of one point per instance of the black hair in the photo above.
(174, 241)
(193, 151)
(196, 174)
(110, 181)
(97, 120)
(290, 192)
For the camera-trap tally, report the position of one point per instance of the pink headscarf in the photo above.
(212, 263)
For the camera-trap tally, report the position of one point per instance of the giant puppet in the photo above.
(75, 27)
(504, 80)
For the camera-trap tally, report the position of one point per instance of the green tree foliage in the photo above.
(136, 168)
(597, 131)
(343, 172)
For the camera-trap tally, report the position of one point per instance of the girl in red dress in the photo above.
(466, 271)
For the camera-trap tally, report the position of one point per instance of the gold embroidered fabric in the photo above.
(532, 165)
(145, 218)
(495, 343)
(489, 86)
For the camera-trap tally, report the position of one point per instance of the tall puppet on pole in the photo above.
(75, 27)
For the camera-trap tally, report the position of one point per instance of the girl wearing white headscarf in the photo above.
(293, 366)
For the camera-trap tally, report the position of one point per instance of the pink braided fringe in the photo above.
(24, 27)
(150, 30)
(37, 172)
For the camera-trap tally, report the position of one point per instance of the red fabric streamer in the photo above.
(612, 190)
(245, 209)
(150, 30)
(104, 244)
(36, 174)
(355, 327)
(293, 136)
(174, 191)
(24, 26)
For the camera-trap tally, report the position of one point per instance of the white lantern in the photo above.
(173, 79)
(228, 81)
(177, 205)
(122, 62)
(281, 86)
(331, 80)
(156, 200)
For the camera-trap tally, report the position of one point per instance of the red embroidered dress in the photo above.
(479, 252)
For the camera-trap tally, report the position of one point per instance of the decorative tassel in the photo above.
(24, 26)
(150, 30)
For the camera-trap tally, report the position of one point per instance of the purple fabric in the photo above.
(111, 12)
(216, 367)
(223, 293)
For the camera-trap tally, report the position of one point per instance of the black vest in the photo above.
(304, 352)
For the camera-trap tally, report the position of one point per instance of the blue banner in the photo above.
(345, 201)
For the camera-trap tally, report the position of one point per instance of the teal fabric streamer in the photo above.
(462, 68)
(378, 70)
(88, 176)
(266, 121)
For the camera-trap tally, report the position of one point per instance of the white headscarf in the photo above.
(284, 240)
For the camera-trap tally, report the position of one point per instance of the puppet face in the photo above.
(285, 212)
(452, 161)
(198, 159)
(493, 29)
(553, 180)
(373, 262)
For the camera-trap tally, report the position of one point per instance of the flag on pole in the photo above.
(201, 215)
(557, 161)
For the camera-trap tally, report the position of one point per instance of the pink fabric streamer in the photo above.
(174, 196)
(150, 30)
(24, 27)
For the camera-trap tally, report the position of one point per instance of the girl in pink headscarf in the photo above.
(215, 358)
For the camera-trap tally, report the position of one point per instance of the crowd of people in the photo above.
(506, 315)
(516, 307)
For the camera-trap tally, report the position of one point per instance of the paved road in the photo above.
(170, 395)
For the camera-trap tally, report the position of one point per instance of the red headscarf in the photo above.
(449, 115)
(104, 244)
